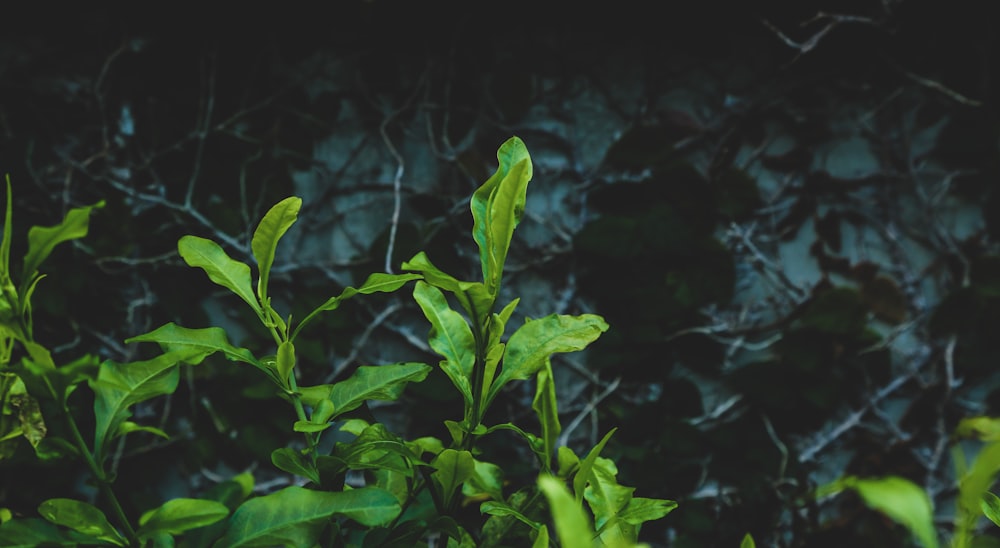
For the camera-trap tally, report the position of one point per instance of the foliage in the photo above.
(411, 489)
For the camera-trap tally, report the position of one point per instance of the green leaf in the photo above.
(129, 427)
(120, 386)
(546, 407)
(640, 510)
(34, 532)
(369, 382)
(452, 469)
(264, 243)
(80, 517)
(485, 483)
(295, 517)
(376, 283)
(221, 269)
(497, 207)
(5, 281)
(534, 342)
(748, 542)
(294, 462)
(898, 498)
(606, 499)
(572, 526)
(204, 342)
(179, 515)
(473, 297)
(450, 336)
(42, 240)
(376, 448)
(990, 505)
(583, 474)
(285, 361)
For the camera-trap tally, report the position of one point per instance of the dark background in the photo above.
(786, 211)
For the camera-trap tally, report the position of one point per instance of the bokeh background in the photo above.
(787, 211)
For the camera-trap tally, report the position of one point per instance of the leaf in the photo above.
(606, 499)
(473, 297)
(295, 516)
(221, 269)
(583, 474)
(546, 407)
(453, 468)
(640, 510)
(285, 361)
(450, 336)
(497, 207)
(898, 498)
(204, 342)
(376, 448)
(129, 427)
(42, 240)
(990, 505)
(486, 482)
(120, 386)
(572, 526)
(80, 517)
(534, 342)
(748, 542)
(5, 281)
(369, 382)
(34, 532)
(376, 283)
(264, 243)
(179, 515)
(294, 462)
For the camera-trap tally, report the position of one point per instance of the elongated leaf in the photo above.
(295, 517)
(285, 361)
(991, 507)
(376, 448)
(473, 297)
(264, 243)
(486, 482)
(748, 542)
(221, 269)
(898, 498)
(120, 386)
(375, 283)
(452, 469)
(204, 341)
(380, 382)
(450, 336)
(572, 526)
(530, 346)
(606, 500)
(497, 207)
(583, 475)
(5, 281)
(546, 407)
(178, 515)
(34, 532)
(80, 517)
(294, 462)
(640, 510)
(42, 240)
(231, 494)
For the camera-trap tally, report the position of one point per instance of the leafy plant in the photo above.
(412, 490)
(908, 504)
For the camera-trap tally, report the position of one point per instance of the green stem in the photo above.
(102, 479)
(300, 411)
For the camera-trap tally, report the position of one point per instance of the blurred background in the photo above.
(787, 211)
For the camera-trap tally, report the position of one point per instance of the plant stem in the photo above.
(102, 480)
